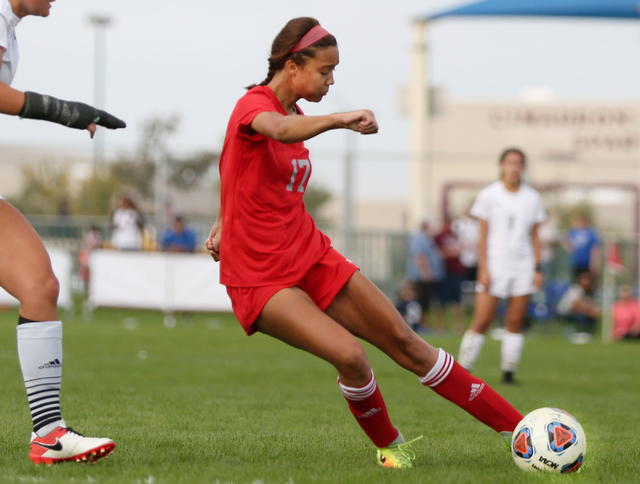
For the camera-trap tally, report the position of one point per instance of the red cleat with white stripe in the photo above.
(65, 444)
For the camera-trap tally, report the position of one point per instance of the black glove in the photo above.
(68, 113)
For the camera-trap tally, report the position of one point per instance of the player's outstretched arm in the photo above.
(68, 113)
(11, 100)
(292, 129)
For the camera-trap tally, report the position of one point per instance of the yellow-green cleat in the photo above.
(397, 456)
(506, 440)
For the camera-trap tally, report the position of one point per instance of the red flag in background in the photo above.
(614, 259)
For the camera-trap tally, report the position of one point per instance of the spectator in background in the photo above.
(126, 224)
(583, 245)
(179, 238)
(450, 293)
(578, 305)
(548, 235)
(409, 308)
(626, 315)
(91, 240)
(425, 268)
(467, 229)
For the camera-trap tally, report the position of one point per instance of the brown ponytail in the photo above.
(284, 42)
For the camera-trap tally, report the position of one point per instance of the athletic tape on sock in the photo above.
(358, 394)
(440, 370)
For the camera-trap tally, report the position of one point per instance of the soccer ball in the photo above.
(548, 439)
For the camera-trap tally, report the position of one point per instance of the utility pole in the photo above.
(100, 24)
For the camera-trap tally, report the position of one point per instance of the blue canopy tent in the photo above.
(422, 197)
(546, 8)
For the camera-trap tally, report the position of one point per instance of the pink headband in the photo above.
(311, 37)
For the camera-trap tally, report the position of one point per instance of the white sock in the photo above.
(511, 350)
(40, 355)
(470, 348)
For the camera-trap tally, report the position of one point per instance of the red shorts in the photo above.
(322, 283)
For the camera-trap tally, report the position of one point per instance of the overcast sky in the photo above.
(193, 57)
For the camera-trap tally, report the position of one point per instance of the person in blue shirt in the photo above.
(179, 238)
(425, 266)
(583, 244)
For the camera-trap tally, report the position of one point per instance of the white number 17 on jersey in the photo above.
(299, 164)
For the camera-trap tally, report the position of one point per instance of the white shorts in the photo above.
(511, 284)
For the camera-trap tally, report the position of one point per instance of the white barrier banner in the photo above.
(61, 264)
(156, 280)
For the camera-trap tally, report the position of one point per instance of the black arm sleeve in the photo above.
(72, 114)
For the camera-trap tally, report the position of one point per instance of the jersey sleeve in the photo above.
(4, 34)
(248, 107)
(481, 207)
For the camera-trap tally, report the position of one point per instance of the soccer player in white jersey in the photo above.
(25, 268)
(508, 260)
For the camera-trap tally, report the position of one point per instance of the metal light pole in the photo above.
(349, 155)
(100, 23)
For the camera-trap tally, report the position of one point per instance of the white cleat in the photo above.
(64, 444)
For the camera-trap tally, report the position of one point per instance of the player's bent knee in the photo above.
(40, 290)
(354, 363)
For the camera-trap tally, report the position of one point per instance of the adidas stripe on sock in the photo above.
(451, 381)
(368, 407)
(40, 355)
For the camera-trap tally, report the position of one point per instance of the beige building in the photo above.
(578, 153)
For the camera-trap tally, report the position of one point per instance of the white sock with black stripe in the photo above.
(40, 355)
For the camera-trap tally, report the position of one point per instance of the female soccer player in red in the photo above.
(284, 278)
(25, 268)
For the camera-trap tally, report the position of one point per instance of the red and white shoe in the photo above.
(65, 444)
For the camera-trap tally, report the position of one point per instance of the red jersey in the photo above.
(268, 237)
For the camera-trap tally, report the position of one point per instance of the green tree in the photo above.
(96, 194)
(46, 189)
(315, 198)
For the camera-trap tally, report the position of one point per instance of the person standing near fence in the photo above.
(282, 275)
(508, 261)
(126, 226)
(584, 246)
(25, 268)
(467, 229)
(450, 293)
(425, 267)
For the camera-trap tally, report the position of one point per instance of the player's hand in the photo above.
(92, 130)
(538, 280)
(363, 121)
(484, 279)
(109, 121)
(213, 242)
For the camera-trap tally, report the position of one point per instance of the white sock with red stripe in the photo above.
(451, 381)
(511, 351)
(368, 407)
(470, 348)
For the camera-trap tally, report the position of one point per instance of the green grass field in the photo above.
(202, 403)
